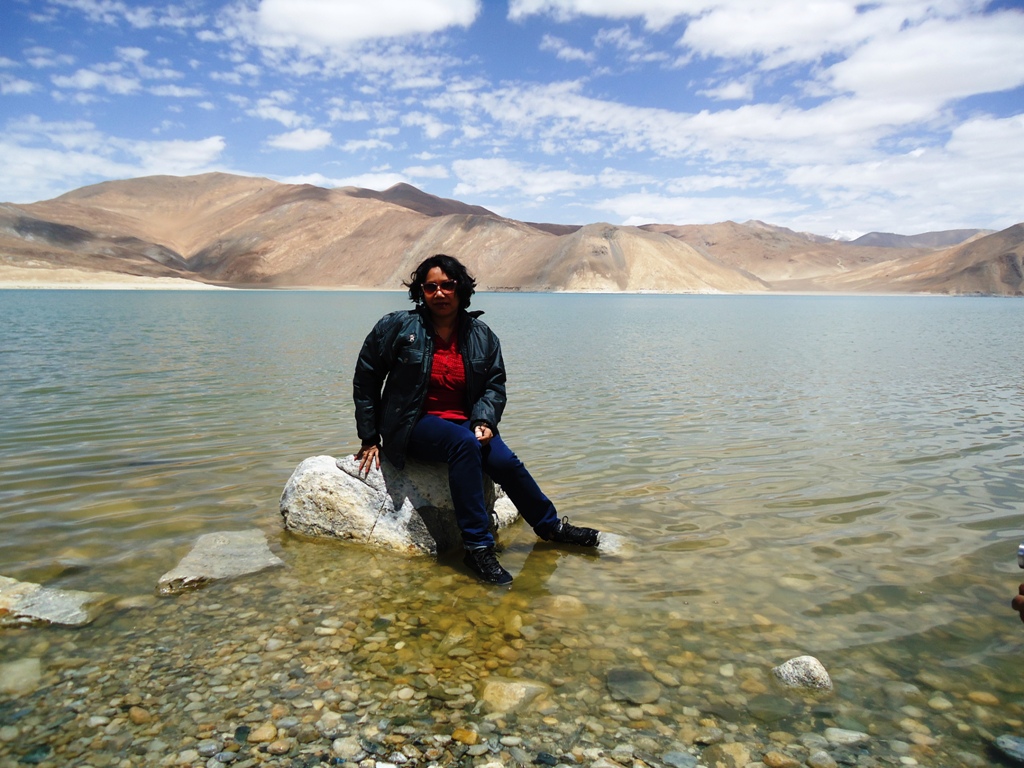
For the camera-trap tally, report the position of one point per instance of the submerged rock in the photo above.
(505, 695)
(219, 556)
(634, 685)
(21, 676)
(23, 603)
(804, 672)
(406, 510)
(1011, 746)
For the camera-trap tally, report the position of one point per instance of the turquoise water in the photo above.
(846, 471)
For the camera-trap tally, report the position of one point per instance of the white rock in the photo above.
(844, 737)
(406, 510)
(20, 677)
(505, 695)
(23, 603)
(347, 748)
(804, 672)
(219, 556)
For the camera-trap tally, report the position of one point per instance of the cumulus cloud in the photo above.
(563, 50)
(734, 90)
(114, 12)
(175, 91)
(426, 171)
(656, 13)
(325, 24)
(432, 127)
(10, 85)
(301, 140)
(90, 79)
(365, 145)
(914, 63)
(373, 180)
(639, 208)
(488, 175)
(40, 159)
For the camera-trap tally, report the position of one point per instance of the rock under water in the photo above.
(408, 510)
(218, 556)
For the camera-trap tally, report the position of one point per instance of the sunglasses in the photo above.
(448, 286)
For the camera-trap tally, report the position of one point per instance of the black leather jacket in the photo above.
(393, 372)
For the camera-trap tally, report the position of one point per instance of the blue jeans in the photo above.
(436, 439)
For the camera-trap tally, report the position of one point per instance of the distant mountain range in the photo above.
(240, 231)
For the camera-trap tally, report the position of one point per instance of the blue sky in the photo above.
(826, 116)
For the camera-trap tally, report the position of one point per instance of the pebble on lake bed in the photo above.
(804, 672)
(218, 556)
(23, 603)
(20, 677)
(635, 685)
(504, 695)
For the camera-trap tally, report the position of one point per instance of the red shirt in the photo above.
(446, 395)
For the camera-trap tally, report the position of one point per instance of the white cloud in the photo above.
(41, 57)
(136, 57)
(10, 86)
(635, 49)
(175, 157)
(285, 117)
(365, 145)
(612, 178)
(782, 31)
(377, 181)
(698, 183)
(139, 16)
(656, 13)
(269, 108)
(488, 175)
(563, 50)
(232, 78)
(325, 24)
(426, 172)
(301, 140)
(40, 159)
(735, 90)
(175, 91)
(915, 63)
(432, 127)
(649, 208)
(88, 80)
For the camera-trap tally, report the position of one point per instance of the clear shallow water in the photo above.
(835, 476)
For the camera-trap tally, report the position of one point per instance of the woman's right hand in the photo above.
(368, 458)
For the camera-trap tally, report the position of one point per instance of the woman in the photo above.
(443, 383)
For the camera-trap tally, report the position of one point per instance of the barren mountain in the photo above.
(777, 254)
(240, 231)
(245, 231)
(945, 239)
(989, 265)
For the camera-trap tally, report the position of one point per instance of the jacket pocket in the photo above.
(409, 356)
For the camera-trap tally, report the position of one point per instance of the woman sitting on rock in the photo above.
(430, 383)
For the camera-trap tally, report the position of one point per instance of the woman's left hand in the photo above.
(483, 433)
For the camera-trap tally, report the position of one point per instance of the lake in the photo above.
(834, 476)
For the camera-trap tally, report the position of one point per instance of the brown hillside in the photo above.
(777, 254)
(244, 231)
(989, 265)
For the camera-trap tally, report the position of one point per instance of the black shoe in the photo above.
(567, 533)
(484, 563)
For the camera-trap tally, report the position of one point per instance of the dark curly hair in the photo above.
(451, 267)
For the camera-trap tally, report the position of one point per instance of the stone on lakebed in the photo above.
(408, 510)
(218, 556)
(23, 603)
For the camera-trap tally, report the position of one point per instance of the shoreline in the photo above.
(68, 279)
